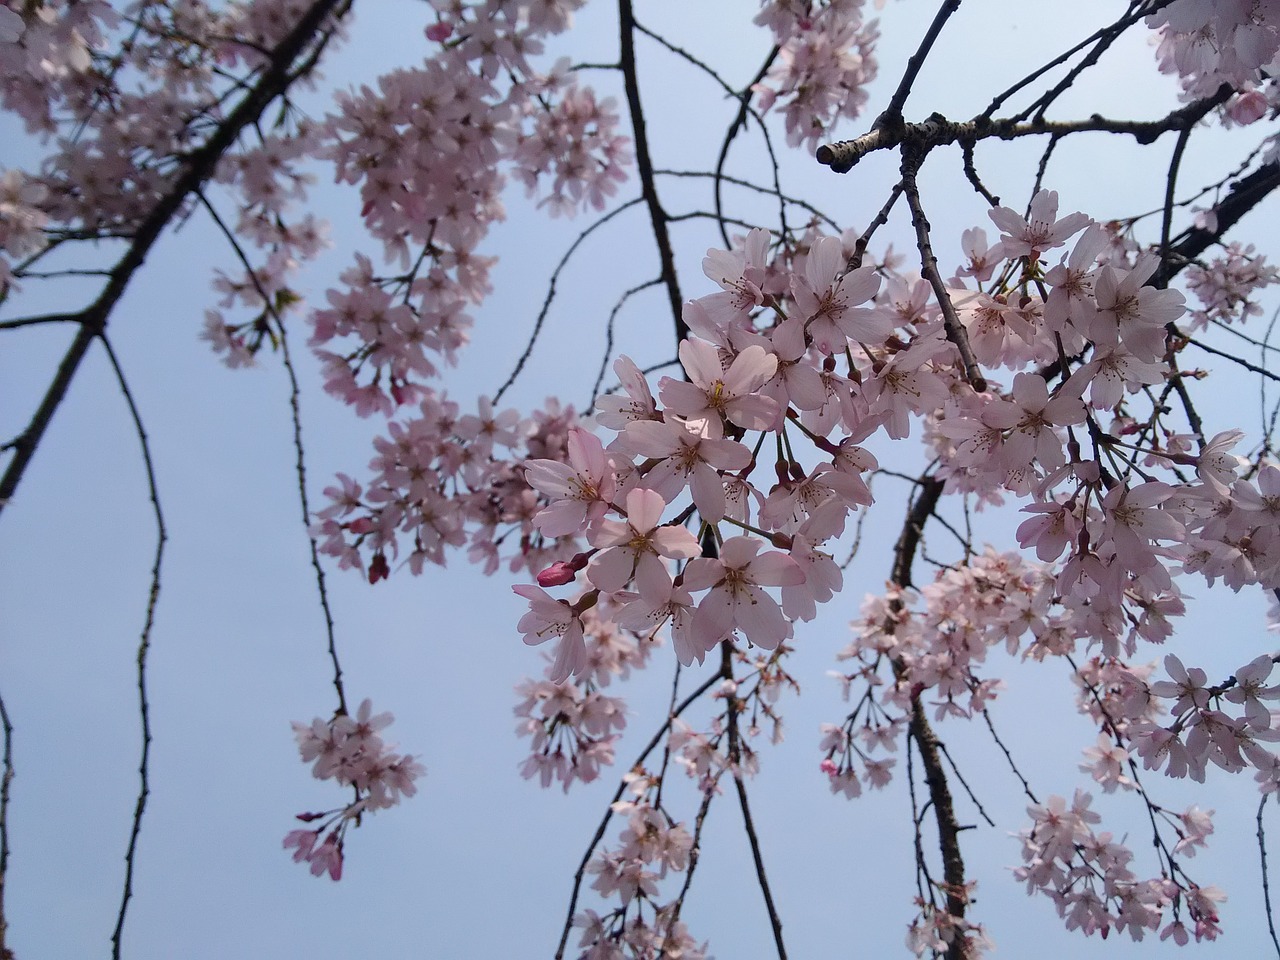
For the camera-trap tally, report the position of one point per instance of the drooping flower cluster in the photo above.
(1209, 44)
(650, 847)
(826, 58)
(573, 726)
(1227, 284)
(350, 751)
(428, 149)
(934, 932)
(1088, 876)
(21, 220)
(444, 479)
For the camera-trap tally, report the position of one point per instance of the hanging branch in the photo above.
(911, 160)
(1266, 883)
(608, 335)
(551, 294)
(919, 730)
(581, 872)
(739, 123)
(735, 749)
(644, 166)
(198, 167)
(6, 778)
(300, 465)
(144, 648)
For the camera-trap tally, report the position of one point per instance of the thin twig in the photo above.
(735, 767)
(581, 872)
(144, 647)
(6, 778)
(301, 469)
(1026, 787)
(608, 335)
(551, 294)
(1266, 884)
(964, 783)
(1252, 368)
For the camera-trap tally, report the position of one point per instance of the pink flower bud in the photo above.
(1248, 107)
(378, 568)
(557, 575)
(439, 32)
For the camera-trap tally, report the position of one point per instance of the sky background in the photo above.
(480, 863)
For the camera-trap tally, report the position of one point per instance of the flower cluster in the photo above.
(350, 751)
(1209, 44)
(21, 220)
(1227, 285)
(1087, 875)
(573, 143)
(651, 846)
(936, 932)
(573, 726)
(428, 149)
(826, 58)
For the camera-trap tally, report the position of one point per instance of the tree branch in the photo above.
(198, 167)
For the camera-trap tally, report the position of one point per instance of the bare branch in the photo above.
(144, 648)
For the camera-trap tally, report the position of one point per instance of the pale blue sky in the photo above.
(480, 863)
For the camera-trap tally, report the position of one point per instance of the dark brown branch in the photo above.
(929, 270)
(937, 131)
(198, 167)
(919, 730)
(1241, 198)
(144, 648)
(6, 779)
(644, 166)
(892, 115)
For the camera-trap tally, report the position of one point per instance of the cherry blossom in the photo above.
(736, 600)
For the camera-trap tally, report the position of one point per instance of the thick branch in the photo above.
(919, 729)
(644, 166)
(937, 130)
(196, 170)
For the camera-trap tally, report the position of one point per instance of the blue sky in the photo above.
(480, 863)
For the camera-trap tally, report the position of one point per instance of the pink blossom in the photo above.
(827, 296)
(547, 618)
(685, 457)
(714, 395)
(625, 548)
(580, 490)
(736, 600)
(1040, 231)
